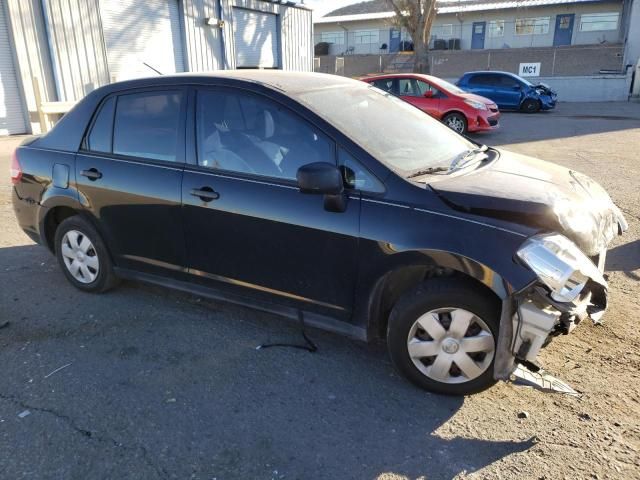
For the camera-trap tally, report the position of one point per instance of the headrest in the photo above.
(266, 124)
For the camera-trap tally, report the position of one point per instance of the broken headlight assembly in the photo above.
(559, 264)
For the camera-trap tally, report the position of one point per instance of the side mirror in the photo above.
(325, 179)
(428, 94)
(320, 178)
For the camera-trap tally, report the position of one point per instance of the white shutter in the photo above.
(256, 39)
(138, 32)
(12, 118)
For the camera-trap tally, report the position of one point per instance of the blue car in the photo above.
(509, 91)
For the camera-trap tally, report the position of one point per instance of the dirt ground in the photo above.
(163, 385)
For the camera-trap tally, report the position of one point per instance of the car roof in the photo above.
(491, 71)
(290, 83)
(67, 133)
(400, 75)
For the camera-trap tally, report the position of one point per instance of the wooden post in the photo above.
(37, 94)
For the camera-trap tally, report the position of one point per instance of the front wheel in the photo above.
(442, 336)
(456, 121)
(83, 256)
(530, 106)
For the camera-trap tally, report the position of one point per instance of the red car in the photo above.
(464, 112)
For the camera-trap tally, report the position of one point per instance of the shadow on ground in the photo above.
(165, 385)
(625, 258)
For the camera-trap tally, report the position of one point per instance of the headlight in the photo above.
(476, 105)
(560, 265)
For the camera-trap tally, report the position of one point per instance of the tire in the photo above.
(456, 122)
(530, 106)
(83, 257)
(437, 302)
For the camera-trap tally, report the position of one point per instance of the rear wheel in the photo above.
(530, 106)
(456, 121)
(442, 336)
(83, 256)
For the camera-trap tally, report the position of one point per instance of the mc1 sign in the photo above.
(529, 70)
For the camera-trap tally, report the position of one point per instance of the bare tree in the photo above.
(417, 17)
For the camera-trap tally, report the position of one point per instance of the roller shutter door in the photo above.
(256, 39)
(12, 117)
(138, 32)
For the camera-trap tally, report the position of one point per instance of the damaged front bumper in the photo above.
(531, 318)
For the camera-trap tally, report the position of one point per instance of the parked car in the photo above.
(301, 192)
(509, 91)
(464, 112)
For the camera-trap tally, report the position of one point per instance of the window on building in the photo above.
(366, 37)
(496, 28)
(532, 26)
(444, 30)
(336, 38)
(595, 22)
(146, 125)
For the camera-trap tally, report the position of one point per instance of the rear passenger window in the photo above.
(146, 125)
(99, 140)
(482, 80)
(386, 85)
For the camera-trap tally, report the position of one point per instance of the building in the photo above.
(59, 50)
(368, 27)
(585, 49)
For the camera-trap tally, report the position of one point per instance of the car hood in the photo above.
(477, 98)
(538, 194)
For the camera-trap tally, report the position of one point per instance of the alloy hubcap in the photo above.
(451, 345)
(456, 124)
(80, 256)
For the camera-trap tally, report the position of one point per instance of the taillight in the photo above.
(16, 169)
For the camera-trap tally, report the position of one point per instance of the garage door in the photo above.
(137, 32)
(256, 39)
(12, 119)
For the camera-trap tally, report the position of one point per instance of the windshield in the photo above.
(447, 86)
(396, 133)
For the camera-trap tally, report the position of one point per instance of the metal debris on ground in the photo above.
(56, 370)
(541, 380)
(24, 413)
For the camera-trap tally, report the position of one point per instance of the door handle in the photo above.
(206, 194)
(92, 174)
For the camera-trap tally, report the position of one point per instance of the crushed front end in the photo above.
(570, 288)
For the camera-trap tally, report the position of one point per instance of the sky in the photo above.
(321, 7)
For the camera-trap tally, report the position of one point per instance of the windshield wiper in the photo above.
(428, 171)
(468, 156)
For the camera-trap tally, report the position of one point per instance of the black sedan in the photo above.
(325, 199)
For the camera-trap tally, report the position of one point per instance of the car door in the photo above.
(129, 175)
(509, 90)
(247, 226)
(413, 91)
(482, 84)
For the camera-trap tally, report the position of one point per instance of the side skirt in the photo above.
(310, 318)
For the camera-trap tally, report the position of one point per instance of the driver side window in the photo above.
(247, 133)
(424, 87)
(356, 176)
